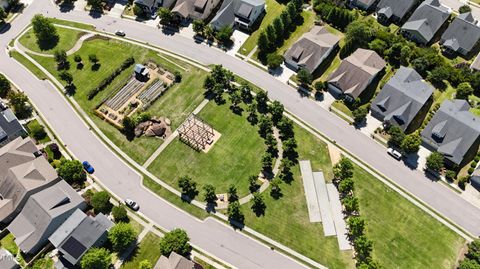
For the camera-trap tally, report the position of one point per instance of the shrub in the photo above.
(471, 170)
(178, 76)
(101, 202)
(435, 161)
(320, 86)
(450, 174)
(473, 164)
(477, 158)
(119, 213)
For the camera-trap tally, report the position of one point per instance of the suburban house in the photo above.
(404, 100)
(355, 73)
(476, 63)
(7, 260)
(77, 235)
(461, 35)
(311, 49)
(151, 6)
(43, 213)
(394, 10)
(454, 132)
(240, 13)
(475, 179)
(425, 21)
(10, 127)
(176, 261)
(194, 9)
(23, 172)
(362, 4)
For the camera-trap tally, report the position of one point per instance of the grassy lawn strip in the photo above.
(148, 249)
(404, 236)
(73, 24)
(338, 104)
(67, 40)
(29, 65)
(273, 9)
(34, 124)
(233, 158)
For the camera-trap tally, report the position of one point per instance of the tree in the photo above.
(96, 258)
(95, 4)
(343, 169)
(209, 194)
(67, 77)
(3, 14)
(285, 127)
(263, 43)
(77, 58)
(101, 202)
(224, 34)
(271, 143)
(320, 86)
(356, 226)
(474, 250)
(37, 131)
(19, 104)
(121, 236)
(304, 76)
(128, 127)
(290, 149)
(286, 21)
(188, 187)
(350, 203)
(435, 161)
(232, 194)
(279, 30)
(464, 90)
(145, 264)
(252, 113)
(5, 86)
(267, 160)
(346, 185)
(360, 32)
(119, 213)
(264, 126)
(274, 60)
(378, 45)
(138, 11)
(468, 264)
(276, 109)
(275, 190)
(175, 241)
(396, 136)
(45, 32)
(262, 102)
(252, 183)
(258, 205)
(437, 75)
(246, 93)
(411, 143)
(359, 114)
(93, 59)
(363, 247)
(198, 26)
(72, 171)
(464, 9)
(165, 15)
(235, 100)
(270, 32)
(234, 213)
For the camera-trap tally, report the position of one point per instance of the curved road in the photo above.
(211, 235)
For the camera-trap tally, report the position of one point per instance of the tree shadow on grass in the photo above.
(48, 44)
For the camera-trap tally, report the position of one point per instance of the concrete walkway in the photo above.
(310, 193)
(340, 225)
(324, 204)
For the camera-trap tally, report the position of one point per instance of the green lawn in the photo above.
(273, 9)
(67, 40)
(9, 244)
(340, 105)
(148, 249)
(29, 65)
(175, 104)
(233, 158)
(43, 263)
(73, 24)
(35, 124)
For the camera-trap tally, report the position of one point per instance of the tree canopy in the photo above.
(175, 241)
(121, 236)
(71, 171)
(101, 202)
(45, 32)
(96, 258)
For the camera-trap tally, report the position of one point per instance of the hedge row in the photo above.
(93, 92)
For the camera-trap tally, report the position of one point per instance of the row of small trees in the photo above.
(407, 143)
(336, 15)
(472, 257)
(343, 178)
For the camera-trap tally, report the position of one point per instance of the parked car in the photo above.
(132, 204)
(120, 33)
(394, 153)
(88, 167)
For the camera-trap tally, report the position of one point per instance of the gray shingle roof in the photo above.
(397, 8)
(229, 8)
(43, 213)
(10, 128)
(7, 261)
(363, 3)
(427, 19)
(78, 234)
(194, 9)
(401, 98)
(356, 72)
(311, 48)
(453, 130)
(462, 33)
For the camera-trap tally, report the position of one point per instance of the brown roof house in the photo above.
(311, 49)
(194, 9)
(22, 174)
(176, 261)
(355, 73)
(41, 216)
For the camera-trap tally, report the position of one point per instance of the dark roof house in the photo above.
(21, 175)
(10, 128)
(453, 131)
(394, 10)
(425, 21)
(240, 13)
(77, 235)
(194, 9)
(402, 98)
(43, 213)
(461, 35)
(362, 4)
(176, 261)
(355, 73)
(311, 49)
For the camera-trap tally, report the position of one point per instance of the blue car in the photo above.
(88, 167)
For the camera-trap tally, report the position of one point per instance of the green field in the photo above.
(176, 103)
(233, 158)
(67, 40)
(148, 249)
(29, 65)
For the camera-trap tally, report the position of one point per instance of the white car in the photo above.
(395, 154)
(132, 204)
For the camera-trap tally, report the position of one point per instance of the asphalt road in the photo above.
(210, 235)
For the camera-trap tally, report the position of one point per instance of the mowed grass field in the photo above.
(176, 104)
(232, 159)
(148, 249)
(66, 41)
(403, 235)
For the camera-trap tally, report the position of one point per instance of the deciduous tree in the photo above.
(121, 236)
(71, 171)
(96, 258)
(175, 241)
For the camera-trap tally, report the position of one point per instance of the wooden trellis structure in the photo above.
(196, 133)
